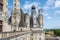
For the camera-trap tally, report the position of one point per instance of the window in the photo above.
(31, 34)
(14, 30)
(0, 22)
(1, 26)
(1, 7)
(39, 38)
(15, 10)
(21, 29)
(31, 38)
(15, 4)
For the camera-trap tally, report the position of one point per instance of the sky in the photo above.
(50, 11)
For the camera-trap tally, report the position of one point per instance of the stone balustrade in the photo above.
(11, 35)
(51, 38)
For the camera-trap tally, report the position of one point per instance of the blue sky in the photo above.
(51, 11)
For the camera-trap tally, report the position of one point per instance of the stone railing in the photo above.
(51, 38)
(5, 35)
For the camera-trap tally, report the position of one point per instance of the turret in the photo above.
(34, 16)
(15, 15)
(5, 9)
(40, 18)
(28, 20)
(5, 15)
(16, 6)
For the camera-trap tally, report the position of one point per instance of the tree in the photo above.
(57, 32)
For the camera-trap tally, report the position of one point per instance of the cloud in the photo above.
(48, 8)
(45, 8)
(47, 16)
(57, 12)
(49, 4)
(57, 3)
(29, 4)
(57, 7)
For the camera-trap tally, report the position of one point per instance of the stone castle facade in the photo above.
(19, 21)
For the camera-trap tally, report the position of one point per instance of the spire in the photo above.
(16, 6)
(33, 11)
(33, 6)
(16, 15)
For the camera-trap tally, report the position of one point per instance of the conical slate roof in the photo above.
(33, 6)
(22, 22)
(31, 22)
(9, 20)
(23, 18)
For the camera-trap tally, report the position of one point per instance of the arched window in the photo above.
(21, 29)
(1, 24)
(14, 30)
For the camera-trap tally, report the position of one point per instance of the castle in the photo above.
(19, 21)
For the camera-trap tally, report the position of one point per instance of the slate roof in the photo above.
(23, 18)
(22, 22)
(31, 22)
(9, 20)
